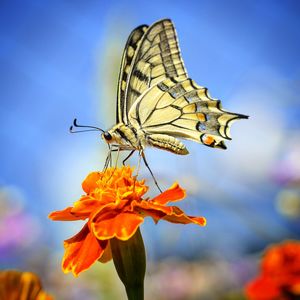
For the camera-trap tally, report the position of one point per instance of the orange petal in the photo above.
(121, 225)
(81, 251)
(168, 213)
(90, 182)
(21, 285)
(178, 216)
(66, 215)
(150, 209)
(43, 296)
(263, 288)
(86, 206)
(184, 219)
(174, 193)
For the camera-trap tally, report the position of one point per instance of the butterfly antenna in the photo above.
(91, 128)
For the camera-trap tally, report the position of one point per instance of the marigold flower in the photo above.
(17, 285)
(114, 207)
(280, 274)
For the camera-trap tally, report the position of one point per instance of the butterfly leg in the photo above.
(137, 169)
(128, 156)
(118, 149)
(145, 161)
(108, 159)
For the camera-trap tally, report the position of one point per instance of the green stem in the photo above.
(135, 293)
(130, 261)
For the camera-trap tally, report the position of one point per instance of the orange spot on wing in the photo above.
(208, 140)
(201, 117)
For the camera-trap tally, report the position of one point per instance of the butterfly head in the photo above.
(107, 136)
(112, 136)
(121, 135)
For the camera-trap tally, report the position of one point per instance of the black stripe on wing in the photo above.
(127, 58)
(156, 58)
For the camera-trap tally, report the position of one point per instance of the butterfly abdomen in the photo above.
(167, 142)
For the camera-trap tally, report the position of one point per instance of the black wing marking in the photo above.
(127, 58)
(156, 58)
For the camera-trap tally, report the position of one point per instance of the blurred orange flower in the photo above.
(280, 274)
(15, 285)
(114, 207)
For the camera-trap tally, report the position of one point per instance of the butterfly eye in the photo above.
(107, 135)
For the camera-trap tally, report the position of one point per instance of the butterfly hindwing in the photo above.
(182, 109)
(156, 57)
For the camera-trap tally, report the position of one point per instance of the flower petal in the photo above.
(110, 224)
(43, 296)
(87, 205)
(178, 216)
(150, 209)
(66, 215)
(174, 193)
(90, 182)
(171, 214)
(81, 251)
(21, 285)
(263, 288)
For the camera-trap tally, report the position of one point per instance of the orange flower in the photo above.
(114, 207)
(17, 285)
(280, 276)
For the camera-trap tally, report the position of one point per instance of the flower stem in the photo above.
(130, 261)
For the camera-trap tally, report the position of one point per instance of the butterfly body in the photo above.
(123, 136)
(127, 137)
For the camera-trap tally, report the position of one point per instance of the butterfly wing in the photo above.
(131, 46)
(181, 109)
(151, 55)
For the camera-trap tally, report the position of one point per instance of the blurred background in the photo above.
(60, 60)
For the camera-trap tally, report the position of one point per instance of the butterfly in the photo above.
(157, 103)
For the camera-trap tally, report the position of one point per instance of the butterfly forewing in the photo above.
(155, 57)
(127, 59)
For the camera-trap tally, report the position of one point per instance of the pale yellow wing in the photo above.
(156, 57)
(131, 46)
(182, 109)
